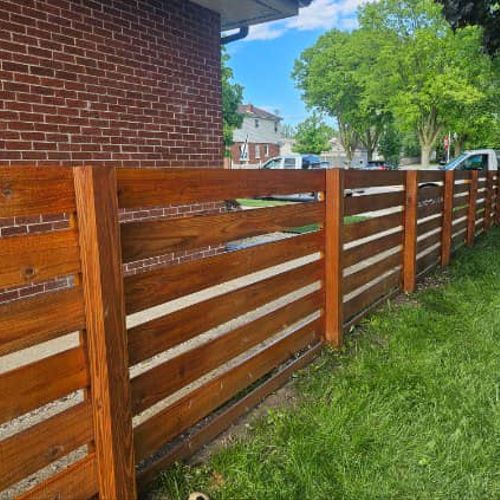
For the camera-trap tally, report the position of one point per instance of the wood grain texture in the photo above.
(38, 257)
(429, 225)
(167, 378)
(152, 288)
(144, 239)
(358, 253)
(368, 203)
(77, 482)
(28, 191)
(449, 187)
(369, 296)
(431, 176)
(410, 231)
(334, 233)
(36, 384)
(28, 322)
(155, 432)
(372, 226)
(355, 179)
(425, 210)
(44, 443)
(221, 421)
(159, 334)
(426, 193)
(488, 201)
(460, 188)
(428, 240)
(143, 187)
(97, 211)
(471, 215)
(430, 259)
(367, 274)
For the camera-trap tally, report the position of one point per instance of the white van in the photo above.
(478, 159)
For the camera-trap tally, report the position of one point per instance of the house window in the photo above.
(276, 127)
(257, 151)
(266, 150)
(257, 123)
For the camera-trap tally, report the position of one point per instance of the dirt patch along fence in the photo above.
(106, 382)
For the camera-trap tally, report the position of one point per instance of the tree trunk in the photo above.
(426, 150)
(458, 147)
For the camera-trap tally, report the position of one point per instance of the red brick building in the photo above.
(116, 82)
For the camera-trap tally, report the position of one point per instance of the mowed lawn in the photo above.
(409, 410)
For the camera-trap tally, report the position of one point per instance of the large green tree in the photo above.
(232, 97)
(424, 71)
(312, 136)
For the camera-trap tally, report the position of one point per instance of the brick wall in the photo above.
(115, 82)
(126, 82)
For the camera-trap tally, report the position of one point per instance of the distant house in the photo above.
(258, 139)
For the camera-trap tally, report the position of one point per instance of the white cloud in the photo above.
(321, 14)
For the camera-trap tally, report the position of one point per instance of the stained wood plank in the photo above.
(165, 379)
(428, 260)
(162, 427)
(38, 257)
(369, 203)
(369, 296)
(143, 187)
(428, 241)
(372, 226)
(426, 210)
(334, 256)
(77, 482)
(367, 274)
(162, 333)
(427, 193)
(431, 176)
(28, 322)
(429, 225)
(411, 215)
(461, 212)
(355, 179)
(28, 191)
(366, 250)
(102, 279)
(471, 215)
(44, 443)
(36, 384)
(461, 188)
(141, 240)
(223, 420)
(152, 288)
(460, 226)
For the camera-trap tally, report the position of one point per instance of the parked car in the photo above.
(376, 165)
(294, 162)
(478, 159)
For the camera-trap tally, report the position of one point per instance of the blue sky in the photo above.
(263, 62)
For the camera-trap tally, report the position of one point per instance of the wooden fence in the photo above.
(164, 360)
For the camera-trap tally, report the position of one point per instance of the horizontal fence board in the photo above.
(462, 175)
(141, 240)
(460, 201)
(152, 434)
(36, 384)
(430, 176)
(30, 321)
(152, 288)
(428, 241)
(221, 421)
(164, 332)
(426, 210)
(28, 191)
(165, 379)
(44, 443)
(368, 203)
(361, 252)
(371, 226)
(143, 187)
(369, 296)
(355, 179)
(460, 226)
(77, 482)
(38, 257)
(429, 225)
(461, 188)
(459, 213)
(367, 274)
(429, 259)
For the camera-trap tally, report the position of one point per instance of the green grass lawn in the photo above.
(409, 409)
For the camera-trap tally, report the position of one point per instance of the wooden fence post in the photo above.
(448, 190)
(471, 213)
(410, 231)
(334, 228)
(488, 196)
(102, 278)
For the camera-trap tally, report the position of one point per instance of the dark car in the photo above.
(377, 165)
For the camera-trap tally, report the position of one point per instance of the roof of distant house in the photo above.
(255, 112)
